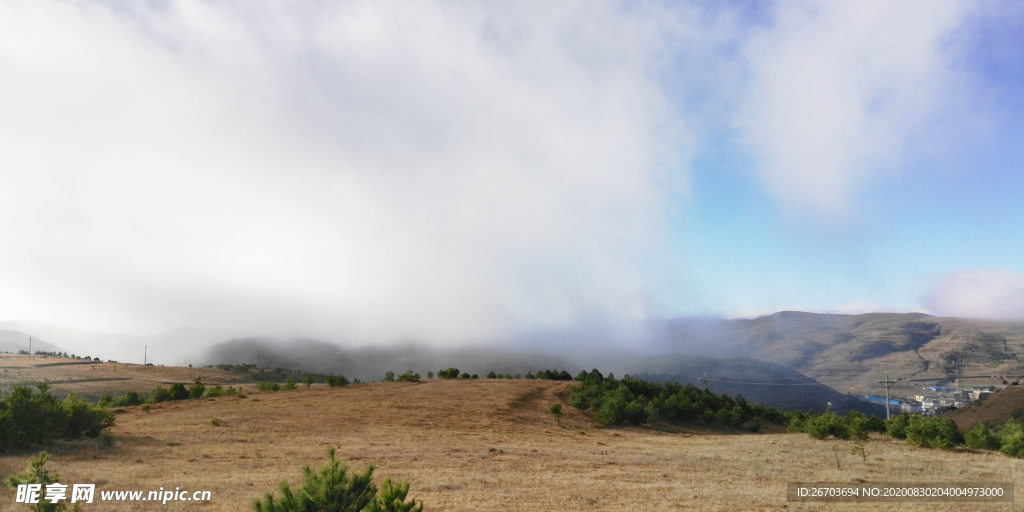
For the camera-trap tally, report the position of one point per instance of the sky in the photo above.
(450, 172)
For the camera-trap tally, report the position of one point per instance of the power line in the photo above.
(887, 383)
(704, 380)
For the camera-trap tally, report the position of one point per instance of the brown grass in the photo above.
(483, 445)
(997, 408)
(90, 380)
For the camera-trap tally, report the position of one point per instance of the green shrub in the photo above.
(826, 425)
(854, 425)
(754, 425)
(178, 392)
(389, 377)
(981, 437)
(611, 412)
(129, 399)
(27, 418)
(196, 390)
(492, 375)
(159, 394)
(876, 424)
(409, 376)
(36, 473)
(579, 401)
(336, 381)
(333, 488)
(268, 386)
(932, 432)
(636, 401)
(795, 421)
(450, 373)
(308, 381)
(106, 400)
(146, 408)
(289, 384)
(219, 390)
(80, 418)
(555, 409)
(465, 375)
(1011, 437)
(896, 426)
(553, 375)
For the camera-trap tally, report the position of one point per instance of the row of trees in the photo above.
(830, 424)
(176, 391)
(199, 390)
(333, 381)
(254, 373)
(1008, 439)
(916, 430)
(28, 418)
(60, 354)
(635, 401)
(541, 375)
(276, 376)
(454, 373)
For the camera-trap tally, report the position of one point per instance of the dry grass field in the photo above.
(89, 380)
(480, 445)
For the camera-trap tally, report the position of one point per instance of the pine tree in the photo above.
(332, 488)
(36, 473)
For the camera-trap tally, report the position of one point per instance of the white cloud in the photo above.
(978, 293)
(838, 88)
(362, 170)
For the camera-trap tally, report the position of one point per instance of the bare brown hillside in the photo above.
(482, 445)
(850, 353)
(995, 409)
(90, 380)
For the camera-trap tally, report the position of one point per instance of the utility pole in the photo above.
(145, 354)
(704, 380)
(887, 383)
(959, 377)
(30, 347)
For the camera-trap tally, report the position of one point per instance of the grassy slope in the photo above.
(996, 409)
(89, 380)
(481, 445)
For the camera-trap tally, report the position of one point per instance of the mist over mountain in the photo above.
(848, 353)
(370, 363)
(758, 381)
(789, 349)
(15, 341)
